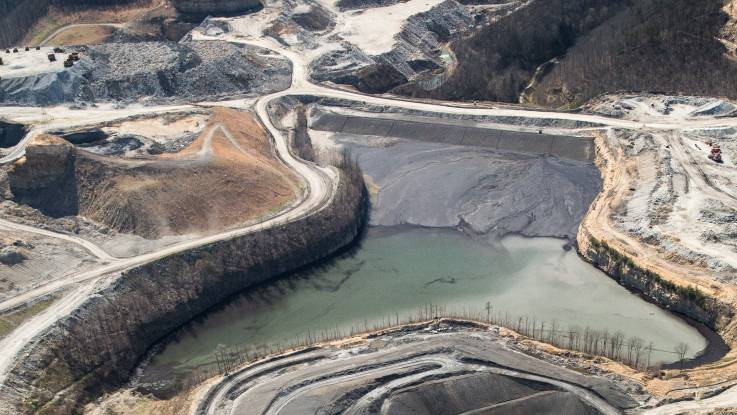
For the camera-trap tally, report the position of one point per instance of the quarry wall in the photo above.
(11, 134)
(96, 348)
(683, 300)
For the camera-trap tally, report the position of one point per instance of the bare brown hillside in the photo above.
(227, 176)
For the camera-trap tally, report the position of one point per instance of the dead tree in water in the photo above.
(681, 349)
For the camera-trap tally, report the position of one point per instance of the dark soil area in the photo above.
(11, 134)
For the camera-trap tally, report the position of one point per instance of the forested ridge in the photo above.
(18, 16)
(497, 62)
(668, 46)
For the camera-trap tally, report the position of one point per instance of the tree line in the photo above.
(633, 351)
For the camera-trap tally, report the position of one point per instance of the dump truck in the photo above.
(716, 154)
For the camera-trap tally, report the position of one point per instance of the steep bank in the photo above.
(95, 349)
(659, 277)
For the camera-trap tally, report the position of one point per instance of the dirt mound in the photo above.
(486, 393)
(227, 176)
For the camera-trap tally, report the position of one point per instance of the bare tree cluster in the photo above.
(497, 62)
(668, 46)
(633, 351)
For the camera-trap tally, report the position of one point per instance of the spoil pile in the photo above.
(152, 72)
(181, 71)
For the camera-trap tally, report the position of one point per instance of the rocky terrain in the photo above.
(127, 320)
(157, 218)
(152, 72)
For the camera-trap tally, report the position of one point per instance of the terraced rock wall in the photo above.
(96, 348)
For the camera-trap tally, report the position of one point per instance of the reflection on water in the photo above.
(398, 271)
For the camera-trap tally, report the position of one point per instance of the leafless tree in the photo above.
(681, 349)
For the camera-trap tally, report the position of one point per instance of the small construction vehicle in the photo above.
(68, 63)
(52, 57)
(15, 50)
(74, 56)
(58, 50)
(716, 154)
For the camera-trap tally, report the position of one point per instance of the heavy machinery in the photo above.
(716, 153)
(52, 57)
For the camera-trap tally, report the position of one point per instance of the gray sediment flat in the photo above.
(458, 133)
(486, 191)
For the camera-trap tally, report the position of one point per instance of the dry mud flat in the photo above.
(440, 367)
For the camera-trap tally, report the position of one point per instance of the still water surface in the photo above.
(400, 270)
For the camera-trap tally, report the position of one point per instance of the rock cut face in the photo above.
(44, 178)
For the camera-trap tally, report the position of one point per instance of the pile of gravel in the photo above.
(181, 71)
(154, 72)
